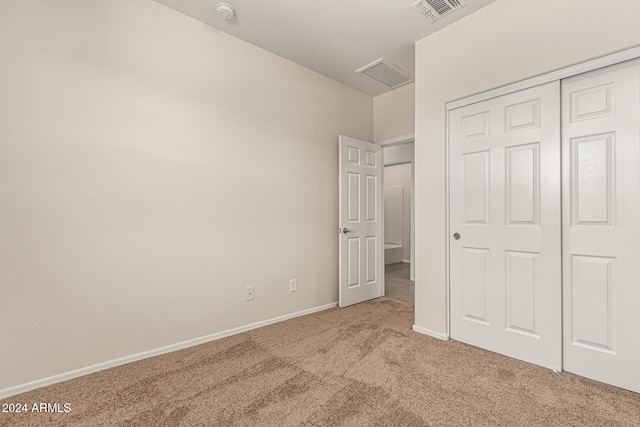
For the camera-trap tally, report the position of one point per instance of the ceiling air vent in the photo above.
(434, 9)
(386, 73)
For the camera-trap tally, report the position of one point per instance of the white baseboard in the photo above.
(431, 333)
(12, 391)
(406, 261)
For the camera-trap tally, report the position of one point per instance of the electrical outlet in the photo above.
(293, 285)
(249, 293)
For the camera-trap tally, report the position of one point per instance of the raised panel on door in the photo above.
(371, 260)
(475, 188)
(601, 225)
(476, 125)
(591, 102)
(505, 275)
(523, 184)
(592, 179)
(476, 285)
(353, 261)
(353, 155)
(592, 302)
(353, 197)
(371, 158)
(523, 292)
(371, 198)
(523, 115)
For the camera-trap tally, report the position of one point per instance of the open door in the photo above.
(361, 240)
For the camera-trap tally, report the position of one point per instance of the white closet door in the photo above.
(601, 224)
(505, 268)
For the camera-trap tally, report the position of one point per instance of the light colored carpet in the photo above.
(359, 366)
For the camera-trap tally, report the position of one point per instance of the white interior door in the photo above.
(601, 225)
(505, 264)
(361, 237)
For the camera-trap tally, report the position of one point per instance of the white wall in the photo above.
(151, 168)
(507, 41)
(400, 176)
(394, 113)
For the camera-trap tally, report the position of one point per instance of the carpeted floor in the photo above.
(359, 366)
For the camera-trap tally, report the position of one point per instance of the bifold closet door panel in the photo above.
(505, 219)
(601, 224)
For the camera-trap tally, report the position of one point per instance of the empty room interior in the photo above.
(393, 212)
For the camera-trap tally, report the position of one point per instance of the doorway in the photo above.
(398, 222)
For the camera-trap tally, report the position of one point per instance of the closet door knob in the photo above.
(456, 236)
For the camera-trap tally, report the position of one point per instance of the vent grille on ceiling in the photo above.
(385, 73)
(434, 9)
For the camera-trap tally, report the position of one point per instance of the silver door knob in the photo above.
(346, 230)
(456, 236)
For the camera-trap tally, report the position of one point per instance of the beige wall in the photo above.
(507, 41)
(150, 169)
(394, 113)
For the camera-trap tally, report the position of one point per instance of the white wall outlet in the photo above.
(293, 285)
(249, 293)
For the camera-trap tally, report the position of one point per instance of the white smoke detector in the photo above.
(225, 10)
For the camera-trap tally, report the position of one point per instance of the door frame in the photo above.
(594, 64)
(405, 139)
(405, 162)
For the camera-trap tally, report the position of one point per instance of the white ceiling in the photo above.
(332, 37)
